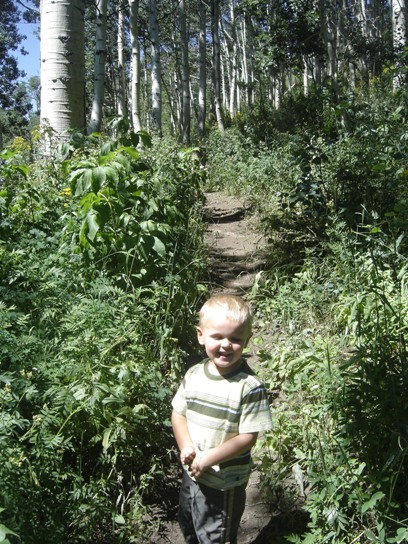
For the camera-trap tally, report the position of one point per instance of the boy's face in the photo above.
(224, 341)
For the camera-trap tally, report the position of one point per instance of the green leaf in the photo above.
(402, 535)
(83, 240)
(145, 246)
(88, 202)
(23, 170)
(86, 180)
(111, 174)
(370, 535)
(63, 150)
(372, 501)
(148, 226)
(159, 247)
(130, 151)
(120, 520)
(4, 531)
(98, 178)
(93, 225)
(106, 436)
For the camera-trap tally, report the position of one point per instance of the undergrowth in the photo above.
(101, 262)
(332, 308)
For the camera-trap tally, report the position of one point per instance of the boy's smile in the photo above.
(224, 341)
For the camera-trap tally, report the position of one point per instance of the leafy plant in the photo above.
(340, 379)
(90, 343)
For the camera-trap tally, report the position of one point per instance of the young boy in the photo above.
(218, 411)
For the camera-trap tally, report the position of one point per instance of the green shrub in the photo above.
(98, 295)
(337, 358)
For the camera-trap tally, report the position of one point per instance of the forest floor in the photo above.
(236, 253)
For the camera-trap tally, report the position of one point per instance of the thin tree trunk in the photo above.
(328, 33)
(234, 64)
(121, 98)
(156, 69)
(244, 56)
(95, 122)
(176, 79)
(224, 58)
(202, 53)
(146, 87)
(306, 72)
(185, 76)
(62, 65)
(215, 17)
(399, 30)
(135, 65)
(252, 69)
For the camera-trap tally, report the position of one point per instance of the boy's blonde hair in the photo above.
(232, 306)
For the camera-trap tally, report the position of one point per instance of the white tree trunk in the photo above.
(202, 53)
(135, 65)
(399, 24)
(185, 76)
(248, 73)
(95, 122)
(306, 75)
(156, 69)
(244, 56)
(122, 95)
(224, 57)
(399, 32)
(215, 18)
(328, 33)
(62, 65)
(234, 64)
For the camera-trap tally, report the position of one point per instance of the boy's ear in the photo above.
(200, 336)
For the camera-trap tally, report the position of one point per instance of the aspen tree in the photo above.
(62, 65)
(95, 122)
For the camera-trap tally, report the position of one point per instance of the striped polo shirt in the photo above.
(218, 408)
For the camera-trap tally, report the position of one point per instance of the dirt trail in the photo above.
(235, 249)
(234, 257)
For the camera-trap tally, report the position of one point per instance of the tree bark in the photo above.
(122, 106)
(135, 65)
(62, 65)
(95, 122)
(156, 69)
(399, 29)
(202, 53)
(185, 76)
(234, 64)
(215, 17)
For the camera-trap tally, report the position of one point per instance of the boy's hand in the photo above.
(187, 455)
(198, 466)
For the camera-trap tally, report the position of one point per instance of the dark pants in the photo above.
(207, 515)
